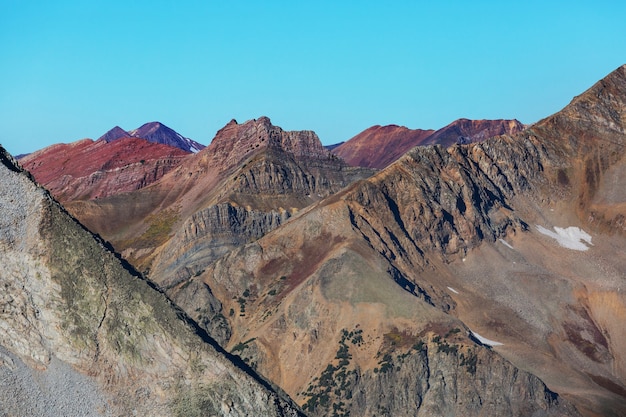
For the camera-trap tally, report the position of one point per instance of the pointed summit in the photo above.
(114, 134)
(599, 111)
(159, 133)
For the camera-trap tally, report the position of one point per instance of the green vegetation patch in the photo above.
(159, 229)
(327, 393)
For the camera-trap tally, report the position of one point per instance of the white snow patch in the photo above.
(484, 340)
(570, 238)
(505, 243)
(453, 290)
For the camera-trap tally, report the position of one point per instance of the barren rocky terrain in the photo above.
(476, 279)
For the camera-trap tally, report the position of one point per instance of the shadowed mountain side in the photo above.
(75, 318)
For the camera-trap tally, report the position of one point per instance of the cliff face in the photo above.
(206, 236)
(76, 316)
(434, 377)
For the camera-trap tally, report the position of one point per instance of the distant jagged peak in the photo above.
(150, 129)
(155, 132)
(160, 133)
(236, 141)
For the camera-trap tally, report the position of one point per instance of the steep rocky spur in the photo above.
(74, 315)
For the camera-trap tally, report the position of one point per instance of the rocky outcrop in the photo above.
(236, 142)
(206, 236)
(75, 317)
(446, 201)
(434, 377)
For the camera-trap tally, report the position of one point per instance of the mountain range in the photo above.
(379, 146)
(479, 273)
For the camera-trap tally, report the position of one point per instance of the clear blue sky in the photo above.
(74, 69)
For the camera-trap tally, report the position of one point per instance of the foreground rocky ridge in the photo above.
(75, 315)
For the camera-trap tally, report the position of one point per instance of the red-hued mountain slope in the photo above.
(89, 169)
(469, 131)
(379, 146)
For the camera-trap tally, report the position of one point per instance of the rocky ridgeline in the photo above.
(445, 201)
(463, 131)
(72, 311)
